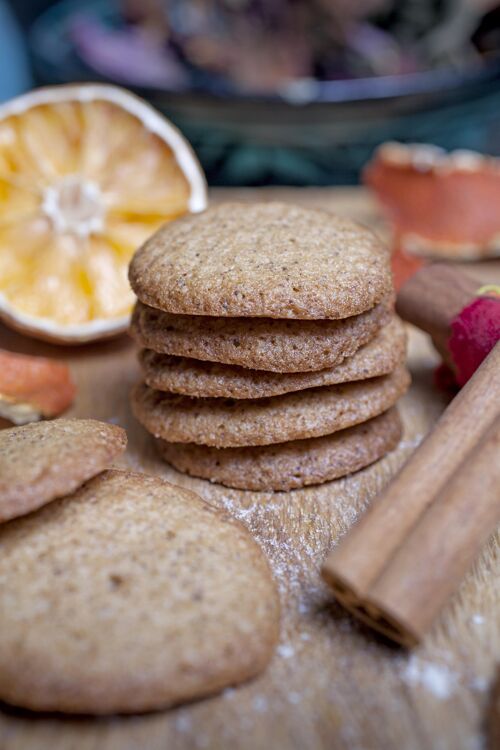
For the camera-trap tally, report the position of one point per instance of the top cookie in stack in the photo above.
(275, 325)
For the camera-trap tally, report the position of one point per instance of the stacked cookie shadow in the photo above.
(271, 355)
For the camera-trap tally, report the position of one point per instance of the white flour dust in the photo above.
(437, 679)
(285, 651)
(260, 704)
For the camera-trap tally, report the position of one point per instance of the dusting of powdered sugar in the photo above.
(294, 561)
(285, 651)
(115, 420)
(479, 684)
(437, 679)
(183, 722)
(260, 704)
(408, 446)
(295, 534)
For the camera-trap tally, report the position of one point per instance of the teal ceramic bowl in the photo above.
(312, 133)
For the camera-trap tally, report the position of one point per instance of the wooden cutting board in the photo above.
(332, 684)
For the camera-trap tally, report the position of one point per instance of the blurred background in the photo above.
(291, 92)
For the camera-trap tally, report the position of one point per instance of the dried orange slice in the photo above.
(87, 173)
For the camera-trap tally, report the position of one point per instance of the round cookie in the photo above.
(226, 423)
(130, 595)
(259, 343)
(41, 461)
(288, 466)
(262, 260)
(213, 380)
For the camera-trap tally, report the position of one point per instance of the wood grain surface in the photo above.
(332, 685)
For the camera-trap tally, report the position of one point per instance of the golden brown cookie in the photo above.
(226, 423)
(270, 260)
(287, 466)
(130, 595)
(44, 460)
(212, 380)
(259, 343)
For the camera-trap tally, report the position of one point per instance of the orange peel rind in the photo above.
(441, 205)
(404, 265)
(33, 388)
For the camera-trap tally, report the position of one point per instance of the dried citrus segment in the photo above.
(87, 174)
(33, 387)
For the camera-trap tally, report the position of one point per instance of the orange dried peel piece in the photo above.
(33, 387)
(404, 265)
(441, 205)
(87, 173)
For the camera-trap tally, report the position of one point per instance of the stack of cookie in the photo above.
(271, 354)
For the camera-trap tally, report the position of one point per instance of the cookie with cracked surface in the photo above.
(270, 259)
(259, 343)
(144, 596)
(228, 423)
(41, 461)
(192, 377)
(288, 466)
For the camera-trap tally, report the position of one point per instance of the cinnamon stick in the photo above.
(433, 297)
(360, 559)
(439, 550)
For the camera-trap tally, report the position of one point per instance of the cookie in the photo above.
(227, 423)
(212, 380)
(288, 466)
(130, 595)
(259, 343)
(270, 260)
(45, 460)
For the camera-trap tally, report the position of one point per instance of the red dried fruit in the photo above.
(474, 333)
